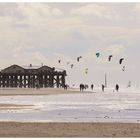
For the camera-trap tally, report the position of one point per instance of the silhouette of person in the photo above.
(65, 87)
(92, 87)
(103, 87)
(82, 87)
(117, 87)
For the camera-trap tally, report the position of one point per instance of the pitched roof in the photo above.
(18, 69)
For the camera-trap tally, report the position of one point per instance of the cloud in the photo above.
(42, 33)
(137, 8)
(29, 14)
(57, 12)
(92, 10)
(39, 10)
(117, 49)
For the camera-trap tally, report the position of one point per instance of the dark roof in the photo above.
(18, 69)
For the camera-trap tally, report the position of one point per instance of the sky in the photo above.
(36, 33)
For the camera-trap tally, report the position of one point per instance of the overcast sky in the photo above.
(36, 33)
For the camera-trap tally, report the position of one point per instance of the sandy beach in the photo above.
(34, 91)
(115, 130)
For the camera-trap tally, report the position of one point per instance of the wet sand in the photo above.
(34, 91)
(14, 106)
(115, 130)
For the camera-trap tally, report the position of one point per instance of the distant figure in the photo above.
(59, 61)
(117, 87)
(65, 87)
(92, 87)
(86, 86)
(103, 87)
(81, 87)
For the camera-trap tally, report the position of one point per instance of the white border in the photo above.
(74, 1)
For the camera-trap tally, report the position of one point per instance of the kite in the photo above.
(86, 71)
(109, 58)
(78, 58)
(123, 69)
(97, 54)
(71, 65)
(120, 61)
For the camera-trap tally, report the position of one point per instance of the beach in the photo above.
(68, 113)
(115, 130)
(34, 91)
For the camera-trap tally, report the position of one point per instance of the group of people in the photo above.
(82, 87)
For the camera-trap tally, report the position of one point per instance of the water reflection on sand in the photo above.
(89, 107)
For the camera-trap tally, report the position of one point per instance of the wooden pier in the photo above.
(43, 77)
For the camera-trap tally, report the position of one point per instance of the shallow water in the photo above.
(86, 107)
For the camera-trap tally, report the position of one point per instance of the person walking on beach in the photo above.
(103, 87)
(117, 87)
(65, 87)
(81, 87)
(92, 87)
